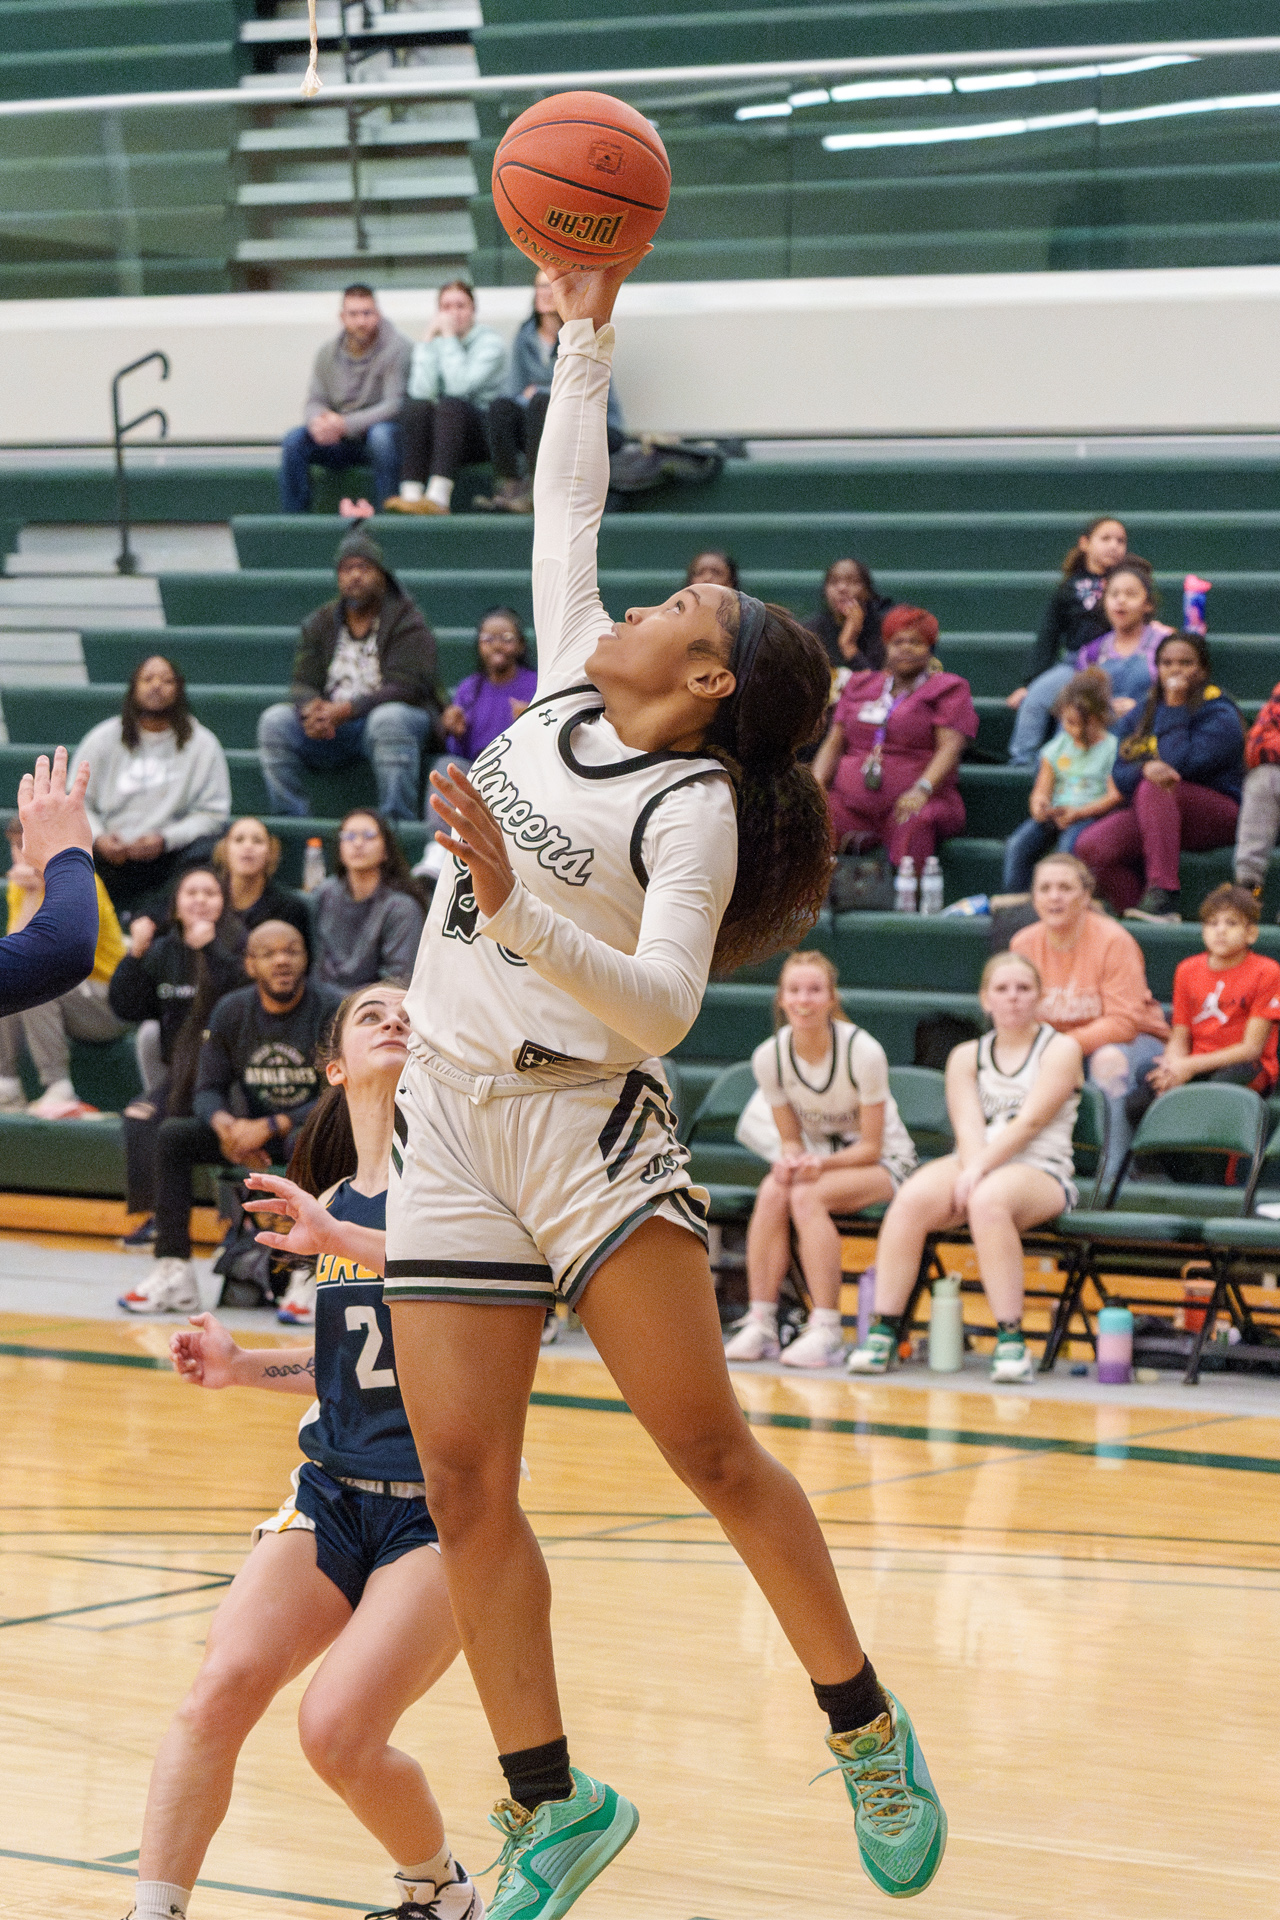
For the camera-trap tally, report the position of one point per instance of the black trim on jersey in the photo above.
(1043, 1033)
(645, 814)
(584, 686)
(835, 1057)
(466, 1270)
(399, 1124)
(638, 763)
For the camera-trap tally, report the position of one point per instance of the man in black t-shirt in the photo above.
(256, 1083)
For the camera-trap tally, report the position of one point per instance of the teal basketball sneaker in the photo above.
(898, 1819)
(551, 1856)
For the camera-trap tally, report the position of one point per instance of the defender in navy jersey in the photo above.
(353, 1540)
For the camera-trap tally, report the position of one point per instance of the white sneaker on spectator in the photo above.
(753, 1339)
(13, 1099)
(298, 1308)
(815, 1347)
(61, 1102)
(170, 1288)
(550, 1328)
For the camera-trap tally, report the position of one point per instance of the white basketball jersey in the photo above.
(575, 805)
(587, 820)
(827, 1100)
(1002, 1096)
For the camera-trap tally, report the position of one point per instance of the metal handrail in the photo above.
(126, 559)
(481, 86)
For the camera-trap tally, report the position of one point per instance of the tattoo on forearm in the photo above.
(290, 1372)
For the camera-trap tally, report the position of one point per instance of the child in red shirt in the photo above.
(1226, 1002)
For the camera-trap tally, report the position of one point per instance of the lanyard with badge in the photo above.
(882, 713)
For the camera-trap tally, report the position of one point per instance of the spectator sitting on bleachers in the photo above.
(1073, 783)
(1073, 617)
(171, 982)
(83, 1014)
(453, 375)
(516, 414)
(1226, 1002)
(1126, 652)
(1094, 986)
(852, 610)
(1012, 1098)
(256, 1082)
(353, 403)
(159, 790)
(363, 688)
(823, 1116)
(1259, 823)
(1180, 770)
(717, 568)
(245, 860)
(369, 917)
(486, 702)
(890, 757)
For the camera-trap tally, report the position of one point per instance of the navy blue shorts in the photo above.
(355, 1531)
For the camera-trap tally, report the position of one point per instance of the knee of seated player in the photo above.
(1109, 1069)
(773, 1196)
(988, 1207)
(808, 1202)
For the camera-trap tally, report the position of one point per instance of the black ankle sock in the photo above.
(1009, 1329)
(853, 1703)
(541, 1773)
(891, 1322)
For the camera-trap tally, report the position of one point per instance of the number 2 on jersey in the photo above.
(368, 1372)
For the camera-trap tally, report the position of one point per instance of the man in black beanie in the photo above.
(364, 684)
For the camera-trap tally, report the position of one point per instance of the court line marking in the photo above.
(99, 1606)
(954, 1436)
(799, 1422)
(217, 1886)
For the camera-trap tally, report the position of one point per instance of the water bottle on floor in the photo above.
(946, 1326)
(904, 887)
(931, 886)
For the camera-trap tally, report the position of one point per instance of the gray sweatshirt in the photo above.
(360, 941)
(363, 390)
(156, 787)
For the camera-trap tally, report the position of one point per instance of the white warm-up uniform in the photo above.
(534, 1123)
(1002, 1096)
(827, 1100)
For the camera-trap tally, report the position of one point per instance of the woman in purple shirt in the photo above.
(487, 702)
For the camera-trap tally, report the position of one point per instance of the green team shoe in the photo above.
(899, 1821)
(552, 1855)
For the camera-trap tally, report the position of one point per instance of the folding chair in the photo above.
(730, 1173)
(1136, 1233)
(1238, 1249)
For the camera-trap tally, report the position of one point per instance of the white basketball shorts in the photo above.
(520, 1199)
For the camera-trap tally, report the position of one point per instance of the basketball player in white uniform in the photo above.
(823, 1116)
(643, 817)
(1012, 1097)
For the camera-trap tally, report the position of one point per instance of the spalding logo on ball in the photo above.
(581, 180)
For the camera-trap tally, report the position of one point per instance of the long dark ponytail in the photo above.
(784, 829)
(325, 1150)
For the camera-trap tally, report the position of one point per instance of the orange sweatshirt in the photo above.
(1096, 990)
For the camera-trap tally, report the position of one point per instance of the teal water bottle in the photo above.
(946, 1326)
(1115, 1346)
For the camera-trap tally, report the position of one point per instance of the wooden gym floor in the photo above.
(1077, 1601)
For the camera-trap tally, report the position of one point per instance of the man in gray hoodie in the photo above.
(357, 390)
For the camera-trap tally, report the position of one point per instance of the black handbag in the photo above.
(861, 883)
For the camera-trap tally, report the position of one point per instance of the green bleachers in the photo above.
(1243, 602)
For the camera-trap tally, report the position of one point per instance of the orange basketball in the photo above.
(580, 180)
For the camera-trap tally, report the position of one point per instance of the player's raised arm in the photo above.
(572, 477)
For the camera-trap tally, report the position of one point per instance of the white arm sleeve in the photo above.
(650, 997)
(569, 488)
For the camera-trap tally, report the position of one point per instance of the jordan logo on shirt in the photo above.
(1211, 1010)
